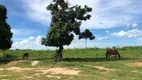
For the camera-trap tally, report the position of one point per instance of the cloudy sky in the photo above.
(113, 22)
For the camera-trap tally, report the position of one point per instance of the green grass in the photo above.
(76, 58)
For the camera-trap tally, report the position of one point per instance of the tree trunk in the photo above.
(59, 54)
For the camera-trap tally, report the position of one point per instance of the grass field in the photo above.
(77, 64)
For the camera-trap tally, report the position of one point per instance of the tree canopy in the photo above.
(5, 30)
(86, 34)
(64, 22)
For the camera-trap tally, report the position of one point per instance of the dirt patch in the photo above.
(63, 71)
(28, 77)
(139, 64)
(43, 71)
(101, 68)
(15, 62)
(136, 71)
(51, 76)
(17, 69)
(3, 75)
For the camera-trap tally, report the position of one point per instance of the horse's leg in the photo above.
(118, 55)
(23, 56)
(115, 56)
(27, 56)
(106, 55)
(109, 55)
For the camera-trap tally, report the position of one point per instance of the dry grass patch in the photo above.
(136, 71)
(3, 75)
(15, 62)
(42, 71)
(137, 64)
(63, 71)
(101, 68)
(16, 69)
(53, 76)
(29, 77)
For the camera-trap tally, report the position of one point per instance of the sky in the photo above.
(113, 22)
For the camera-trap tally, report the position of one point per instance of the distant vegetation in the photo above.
(126, 48)
(37, 53)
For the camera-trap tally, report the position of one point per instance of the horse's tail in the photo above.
(118, 55)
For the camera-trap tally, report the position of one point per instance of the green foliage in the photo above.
(3, 12)
(5, 30)
(65, 22)
(86, 34)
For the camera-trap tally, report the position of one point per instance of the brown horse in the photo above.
(112, 52)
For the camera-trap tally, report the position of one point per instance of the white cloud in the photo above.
(30, 43)
(107, 31)
(34, 43)
(130, 33)
(102, 38)
(20, 45)
(128, 25)
(76, 43)
(38, 39)
(31, 38)
(108, 12)
(134, 25)
(22, 31)
(36, 10)
(90, 44)
(139, 39)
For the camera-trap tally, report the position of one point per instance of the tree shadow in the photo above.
(101, 59)
(42, 58)
(8, 59)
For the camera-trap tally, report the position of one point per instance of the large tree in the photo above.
(65, 22)
(5, 30)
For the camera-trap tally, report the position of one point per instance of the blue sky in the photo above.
(114, 23)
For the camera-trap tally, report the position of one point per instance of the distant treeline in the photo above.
(126, 47)
(95, 48)
(114, 48)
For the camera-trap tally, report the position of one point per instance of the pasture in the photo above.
(77, 64)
